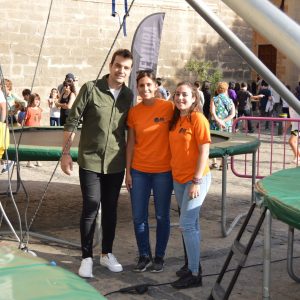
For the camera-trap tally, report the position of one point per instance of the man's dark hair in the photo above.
(121, 52)
(26, 92)
(244, 84)
(159, 81)
(231, 85)
(264, 83)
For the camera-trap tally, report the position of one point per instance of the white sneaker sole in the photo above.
(112, 269)
(85, 275)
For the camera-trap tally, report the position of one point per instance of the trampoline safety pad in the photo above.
(45, 144)
(281, 194)
(23, 276)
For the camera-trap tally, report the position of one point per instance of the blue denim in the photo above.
(189, 218)
(162, 186)
(54, 121)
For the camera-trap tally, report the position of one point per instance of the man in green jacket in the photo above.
(103, 106)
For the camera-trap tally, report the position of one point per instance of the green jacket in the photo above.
(102, 145)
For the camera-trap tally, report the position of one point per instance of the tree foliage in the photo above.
(205, 71)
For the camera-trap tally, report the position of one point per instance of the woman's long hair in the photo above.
(194, 107)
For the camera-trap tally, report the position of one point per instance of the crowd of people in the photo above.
(166, 148)
(59, 101)
(27, 111)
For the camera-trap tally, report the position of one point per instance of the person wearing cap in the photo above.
(69, 78)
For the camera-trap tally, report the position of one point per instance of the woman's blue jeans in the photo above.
(189, 218)
(162, 186)
(54, 121)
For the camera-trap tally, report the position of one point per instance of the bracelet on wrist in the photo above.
(197, 180)
(65, 153)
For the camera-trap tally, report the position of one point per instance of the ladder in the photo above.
(241, 253)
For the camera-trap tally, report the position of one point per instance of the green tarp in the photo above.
(25, 277)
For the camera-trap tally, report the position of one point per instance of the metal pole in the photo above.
(272, 23)
(267, 256)
(223, 202)
(213, 20)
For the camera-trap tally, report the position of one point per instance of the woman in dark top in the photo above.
(66, 101)
(207, 96)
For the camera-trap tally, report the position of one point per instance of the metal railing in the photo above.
(274, 146)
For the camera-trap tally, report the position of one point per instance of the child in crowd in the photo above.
(26, 94)
(12, 100)
(21, 113)
(54, 110)
(33, 118)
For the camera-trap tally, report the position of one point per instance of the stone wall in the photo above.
(286, 70)
(80, 33)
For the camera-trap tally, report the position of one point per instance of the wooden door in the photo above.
(268, 55)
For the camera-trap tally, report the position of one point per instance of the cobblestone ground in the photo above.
(59, 217)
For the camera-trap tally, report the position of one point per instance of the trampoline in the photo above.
(44, 144)
(279, 193)
(225, 145)
(279, 196)
(26, 277)
(41, 143)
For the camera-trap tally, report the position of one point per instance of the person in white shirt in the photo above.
(197, 84)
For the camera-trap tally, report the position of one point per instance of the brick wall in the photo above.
(80, 33)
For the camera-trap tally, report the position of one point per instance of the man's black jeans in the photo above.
(96, 188)
(246, 113)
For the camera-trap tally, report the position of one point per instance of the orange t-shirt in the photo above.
(151, 126)
(33, 116)
(184, 143)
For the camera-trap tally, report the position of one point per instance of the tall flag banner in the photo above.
(145, 46)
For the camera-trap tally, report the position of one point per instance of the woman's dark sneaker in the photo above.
(143, 263)
(183, 270)
(158, 265)
(188, 281)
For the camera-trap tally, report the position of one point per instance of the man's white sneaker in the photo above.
(86, 268)
(109, 261)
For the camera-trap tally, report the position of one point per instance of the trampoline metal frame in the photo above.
(227, 229)
(267, 255)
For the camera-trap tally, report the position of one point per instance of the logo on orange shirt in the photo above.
(158, 119)
(182, 130)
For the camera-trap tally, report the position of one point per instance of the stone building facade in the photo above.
(80, 33)
(277, 62)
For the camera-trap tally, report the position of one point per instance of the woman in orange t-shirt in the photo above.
(189, 143)
(148, 168)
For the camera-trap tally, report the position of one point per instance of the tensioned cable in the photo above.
(17, 147)
(19, 181)
(78, 120)
(41, 47)
(135, 288)
(9, 174)
(37, 64)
